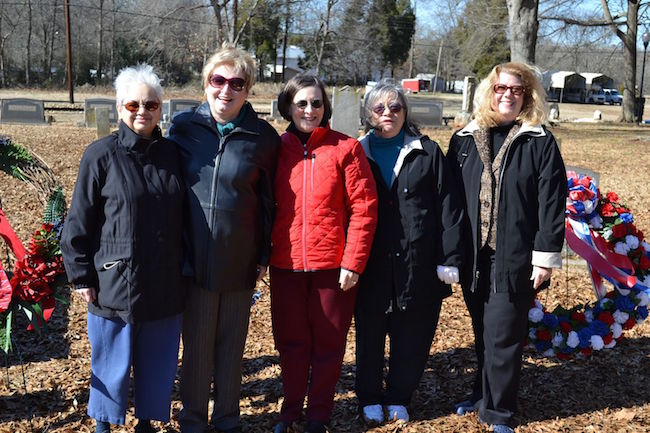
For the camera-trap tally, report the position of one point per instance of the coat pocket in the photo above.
(114, 284)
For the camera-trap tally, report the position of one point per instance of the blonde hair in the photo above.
(230, 55)
(534, 109)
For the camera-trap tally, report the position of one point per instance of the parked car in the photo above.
(595, 97)
(613, 97)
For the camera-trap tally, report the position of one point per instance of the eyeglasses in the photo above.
(302, 104)
(237, 84)
(502, 88)
(134, 106)
(394, 107)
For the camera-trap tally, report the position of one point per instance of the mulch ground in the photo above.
(607, 392)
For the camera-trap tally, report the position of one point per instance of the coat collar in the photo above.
(526, 128)
(203, 116)
(411, 144)
(317, 136)
(129, 139)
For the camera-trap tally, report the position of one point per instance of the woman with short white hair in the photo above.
(122, 249)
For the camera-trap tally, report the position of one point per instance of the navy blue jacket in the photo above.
(123, 233)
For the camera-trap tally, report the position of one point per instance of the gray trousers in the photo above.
(214, 334)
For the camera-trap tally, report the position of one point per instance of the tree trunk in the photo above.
(285, 39)
(50, 56)
(28, 61)
(523, 25)
(326, 31)
(235, 13)
(100, 42)
(217, 14)
(112, 60)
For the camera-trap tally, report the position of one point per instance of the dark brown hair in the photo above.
(293, 86)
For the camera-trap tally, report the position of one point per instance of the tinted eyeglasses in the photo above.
(217, 81)
(502, 88)
(134, 106)
(394, 107)
(302, 104)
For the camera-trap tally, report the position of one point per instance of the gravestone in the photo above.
(468, 94)
(22, 110)
(426, 112)
(90, 119)
(102, 115)
(177, 105)
(275, 113)
(345, 111)
(585, 171)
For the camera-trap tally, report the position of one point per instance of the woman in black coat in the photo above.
(414, 258)
(515, 186)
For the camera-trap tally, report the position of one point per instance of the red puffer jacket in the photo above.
(326, 203)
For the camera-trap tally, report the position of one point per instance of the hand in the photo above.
(540, 275)
(261, 272)
(88, 294)
(447, 274)
(348, 279)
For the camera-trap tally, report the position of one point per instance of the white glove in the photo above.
(540, 275)
(447, 274)
(348, 279)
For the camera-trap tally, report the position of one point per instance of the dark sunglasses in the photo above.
(302, 104)
(394, 107)
(502, 88)
(134, 106)
(237, 84)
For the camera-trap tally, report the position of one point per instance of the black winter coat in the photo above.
(123, 233)
(230, 194)
(530, 221)
(419, 222)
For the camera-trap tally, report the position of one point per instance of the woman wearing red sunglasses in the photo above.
(415, 255)
(515, 185)
(228, 156)
(122, 249)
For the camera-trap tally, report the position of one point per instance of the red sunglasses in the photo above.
(217, 81)
(134, 106)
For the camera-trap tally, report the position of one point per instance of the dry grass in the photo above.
(609, 392)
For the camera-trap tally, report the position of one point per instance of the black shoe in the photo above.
(281, 427)
(315, 427)
(144, 426)
(103, 427)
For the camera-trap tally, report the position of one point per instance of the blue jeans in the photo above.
(151, 348)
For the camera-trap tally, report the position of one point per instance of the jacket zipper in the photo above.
(313, 162)
(304, 209)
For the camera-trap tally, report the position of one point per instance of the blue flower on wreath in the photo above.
(598, 328)
(627, 218)
(624, 303)
(585, 336)
(562, 319)
(550, 320)
(642, 312)
(542, 346)
(597, 310)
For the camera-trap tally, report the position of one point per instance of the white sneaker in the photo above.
(397, 412)
(373, 413)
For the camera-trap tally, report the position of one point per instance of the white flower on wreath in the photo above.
(646, 246)
(611, 344)
(535, 315)
(538, 304)
(607, 234)
(643, 296)
(621, 248)
(620, 316)
(548, 353)
(589, 206)
(589, 316)
(596, 222)
(573, 340)
(603, 302)
(646, 281)
(617, 330)
(597, 342)
(632, 242)
(623, 291)
(532, 334)
(557, 339)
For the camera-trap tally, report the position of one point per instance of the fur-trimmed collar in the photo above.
(526, 128)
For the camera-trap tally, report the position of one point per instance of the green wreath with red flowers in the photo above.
(35, 286)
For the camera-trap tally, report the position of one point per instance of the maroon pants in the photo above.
(311, 317)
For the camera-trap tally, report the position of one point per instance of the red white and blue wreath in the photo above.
(601, 230)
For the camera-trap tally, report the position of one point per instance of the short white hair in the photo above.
(139, 74)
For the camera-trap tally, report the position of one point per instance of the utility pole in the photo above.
(411, 65)
(68, 49)
(435, 85)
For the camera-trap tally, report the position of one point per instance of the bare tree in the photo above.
(28, 42)
(325, 32)
(523, 25)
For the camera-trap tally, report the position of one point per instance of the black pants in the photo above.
(500, 322)
(411, 334)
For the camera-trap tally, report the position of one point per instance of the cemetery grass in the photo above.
(608, 392)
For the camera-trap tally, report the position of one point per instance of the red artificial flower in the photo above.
(644, 262)
(586, 351)
(566, 327)
(578, 317)
(564, 356)
(607, 210)
(619, 231)
(639, 234)
(543, 335)
(608, 338)
(606, 317)
(629, 323)
(621, 209)
(612, 196)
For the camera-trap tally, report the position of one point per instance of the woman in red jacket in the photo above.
(324, 226)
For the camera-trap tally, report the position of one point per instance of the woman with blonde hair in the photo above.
(228, 157)
(514, 182)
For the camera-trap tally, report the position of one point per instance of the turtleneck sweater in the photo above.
(384, 152)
